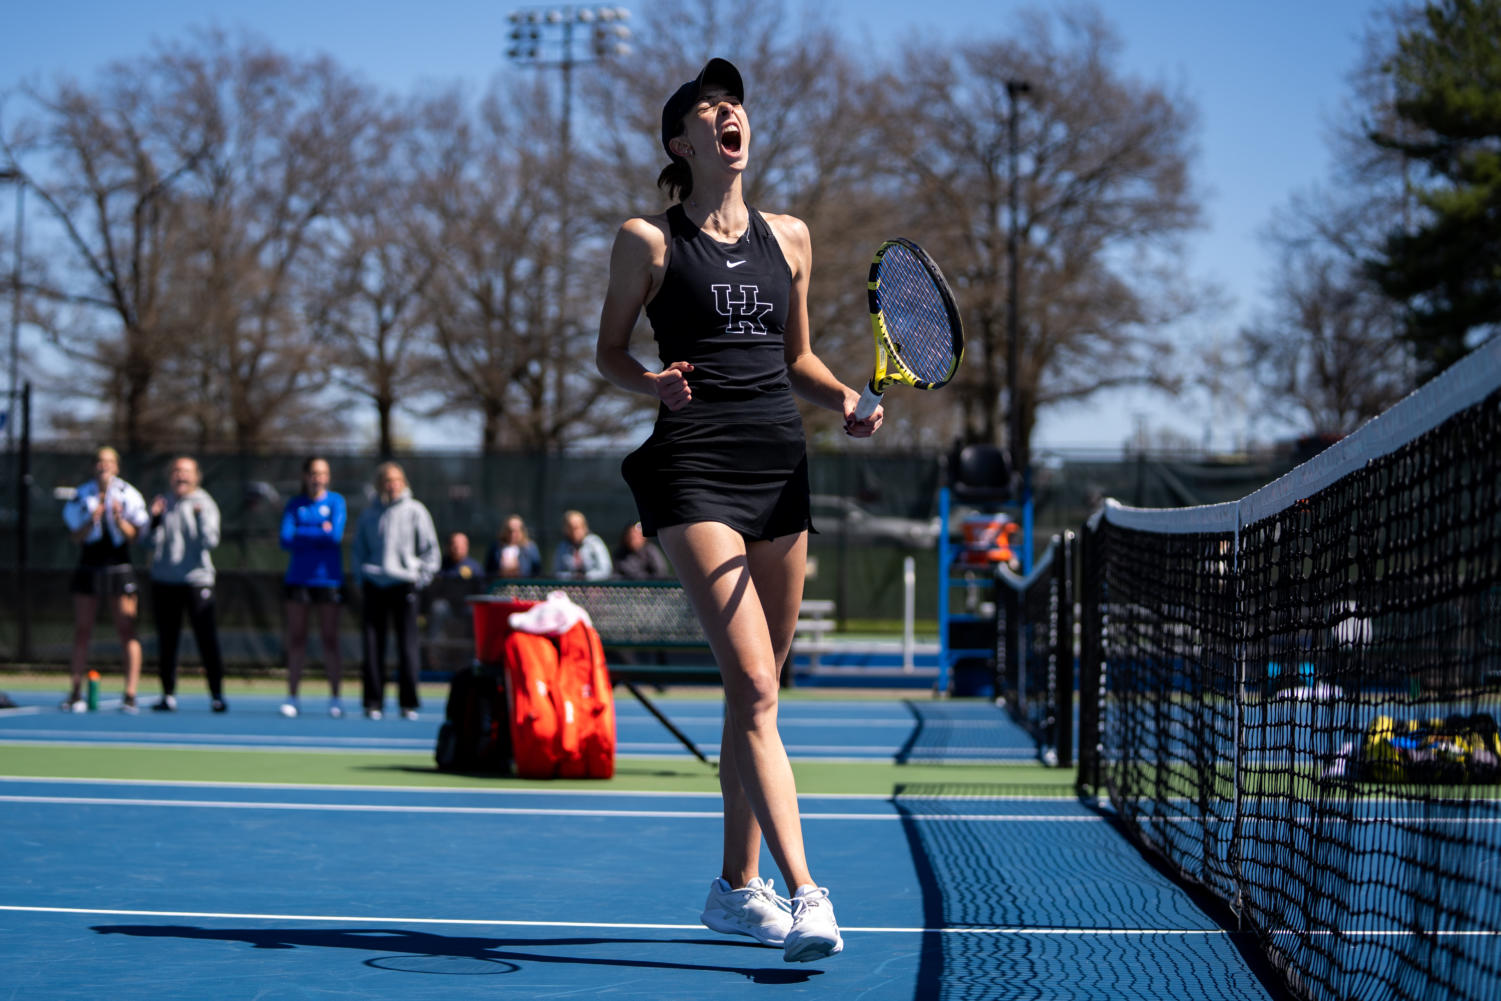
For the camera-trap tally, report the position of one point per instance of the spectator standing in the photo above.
(395, 557)
(581, 555)
(105, 516)
(513, 553)
(312, 530)
(636, 558)
(457, 563)
(184, 529)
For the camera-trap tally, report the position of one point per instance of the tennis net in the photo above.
(1292, 698)
(1035, 637)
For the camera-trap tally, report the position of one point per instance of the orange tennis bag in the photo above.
(560, 703)
(562, 706)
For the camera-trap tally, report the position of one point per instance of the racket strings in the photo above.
(916, 314)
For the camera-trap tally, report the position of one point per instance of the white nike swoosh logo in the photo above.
(733, 264)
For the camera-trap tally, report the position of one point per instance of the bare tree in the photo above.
(369, 309)
(1325, 355)
(112, 181)
(1104, 198)
(191, 186)
(283, 140)
(485, 220)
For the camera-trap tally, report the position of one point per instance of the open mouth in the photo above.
(730, 138)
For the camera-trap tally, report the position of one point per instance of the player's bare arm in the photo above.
(638, 260)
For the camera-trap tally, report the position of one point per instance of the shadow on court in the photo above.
(405, 951)
(1028, 907)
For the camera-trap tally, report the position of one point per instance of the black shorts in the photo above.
(114, 581)
(750, 476)
(301, 594)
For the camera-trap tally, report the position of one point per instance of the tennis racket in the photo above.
(919, 339)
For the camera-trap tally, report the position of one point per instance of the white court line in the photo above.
(253, 739)
(1304, 818)
(790, 721)
(989, 818)
(116, 738)
(627, 750)
(21, 711)
(138, 745)
(523, 811)
(629, 926)
(1021, 931)
(488, 791)
(885, 750)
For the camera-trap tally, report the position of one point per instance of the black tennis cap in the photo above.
(720, 72)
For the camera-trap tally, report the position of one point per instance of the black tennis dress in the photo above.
(735, 454)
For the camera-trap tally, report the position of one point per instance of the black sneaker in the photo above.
(128, 705)
(220, 706)
(167, 704)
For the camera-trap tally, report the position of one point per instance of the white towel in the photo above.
(552, 617)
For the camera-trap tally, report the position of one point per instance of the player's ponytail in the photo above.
(676, 179)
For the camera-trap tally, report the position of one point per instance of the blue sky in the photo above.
(1267, 76)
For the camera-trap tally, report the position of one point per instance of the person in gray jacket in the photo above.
(184, 528)
(395, 555)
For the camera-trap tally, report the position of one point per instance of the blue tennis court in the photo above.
(156, 890)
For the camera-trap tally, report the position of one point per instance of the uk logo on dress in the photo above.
(745, 310)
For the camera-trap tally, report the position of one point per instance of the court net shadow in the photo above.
(405, 951)
(943, 732)
(1043, 909)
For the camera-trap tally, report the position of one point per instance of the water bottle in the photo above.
(93, 691)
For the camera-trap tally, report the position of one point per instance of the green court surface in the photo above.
(633, 775)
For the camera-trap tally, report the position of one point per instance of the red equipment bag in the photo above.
(562, 706)
(589, 701)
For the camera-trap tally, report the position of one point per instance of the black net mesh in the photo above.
(1036, 636)
(653, 613)
(1296, 699)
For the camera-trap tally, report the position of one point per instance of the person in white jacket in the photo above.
(105, 516)
(395, 556)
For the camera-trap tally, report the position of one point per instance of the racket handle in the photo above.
(869, 400)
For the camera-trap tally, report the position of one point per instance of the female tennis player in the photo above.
(723, 480)
(105, 516)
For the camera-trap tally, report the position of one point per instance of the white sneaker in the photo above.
(814, 933)
(372, 714)
(72, 705)
(289, 710)
(409, 714)
(756, 911)
(335, 711)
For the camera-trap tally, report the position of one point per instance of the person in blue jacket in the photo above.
(312, 529)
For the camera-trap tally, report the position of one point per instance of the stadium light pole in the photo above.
(546, 38)
(1020, 454)
(15, 177)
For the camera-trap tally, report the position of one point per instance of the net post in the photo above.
(1090, 675)
(1063, 696)
(1011, 666)
(23, 529)
(1237, 815)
